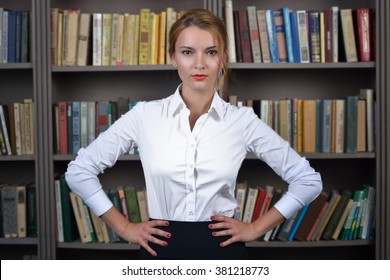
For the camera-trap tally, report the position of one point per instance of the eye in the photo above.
(212, 52)
(186, 52)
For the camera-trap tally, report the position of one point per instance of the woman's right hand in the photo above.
(139, 233)
(145, 232)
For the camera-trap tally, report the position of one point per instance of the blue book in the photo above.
(298, 222)
(76, 122)
(287, 30)
(11, 37)
(351, 124)
(314, 36)
(295, 37)
(273, 45)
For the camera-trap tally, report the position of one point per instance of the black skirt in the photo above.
(194, 241)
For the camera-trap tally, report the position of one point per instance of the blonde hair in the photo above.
(203, 19)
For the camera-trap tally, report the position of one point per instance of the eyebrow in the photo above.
(191, 48)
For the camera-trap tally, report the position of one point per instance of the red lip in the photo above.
(199, 77)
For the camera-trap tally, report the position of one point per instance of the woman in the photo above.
(191, 145)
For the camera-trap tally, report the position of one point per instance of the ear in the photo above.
(173, 60)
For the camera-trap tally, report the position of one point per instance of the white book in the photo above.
(97, 40)
(335, 33)
(303, 36)
(250, 205)
(230, 30)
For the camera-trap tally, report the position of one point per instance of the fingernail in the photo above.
(214, 233)
(154, 254)
(168, 235)
(222, 245)
(213, 218)
(167, 223)
(165, 244)
(210, 226)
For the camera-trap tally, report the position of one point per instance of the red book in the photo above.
(245, 36)
(364, 34)
(63, 127)
(328, 35)
(259, 204)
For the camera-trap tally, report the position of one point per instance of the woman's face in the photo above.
(196, 58)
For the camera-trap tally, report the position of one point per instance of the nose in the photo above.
(199, 63)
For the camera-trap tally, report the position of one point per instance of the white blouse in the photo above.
(191, 175)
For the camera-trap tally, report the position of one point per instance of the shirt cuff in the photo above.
(99, 203)
(288, 206)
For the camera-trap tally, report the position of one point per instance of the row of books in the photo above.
(331, 216)
(78, 123)
(14, 36)
(75, 219)
(348, 215)
(17, 128)
(342, 125)
(97, 39)
(301, 36)
(18, 214)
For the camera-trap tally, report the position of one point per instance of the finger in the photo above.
(147, 248)
(160, 232)
(159, 223)
(229, 241)
(223, 233)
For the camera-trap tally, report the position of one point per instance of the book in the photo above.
(351, 123)
(272, 40)
(143, 205)
(287, 227)
(333, 201)
(314, 36)
(259, 204)
(97, 39)
(80, 219)
(68, 216)
(303, 32)
(342, 220)
(132, 204)
(241, 190)
(250, 204)
(340, 126)
(144, 38)
(361, 126)
(70, 36)
(368, 95)
(59, 219)
(348, 35)
(9, 210)
(309, 126)
(280, 33)
(254, 34)
(295, 37)
(83, 39)
(21, 210)
(311, 216)
(31, 210)
(298, 222)
(245, 39)
(335, 33)
(263, 35)
(337, 214)
(364, 34)
(288, 32)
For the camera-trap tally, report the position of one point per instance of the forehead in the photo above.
(194, 36)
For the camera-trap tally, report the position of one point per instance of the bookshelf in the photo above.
(48, 84)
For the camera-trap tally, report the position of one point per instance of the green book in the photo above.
(132, 205)
(68, 218)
